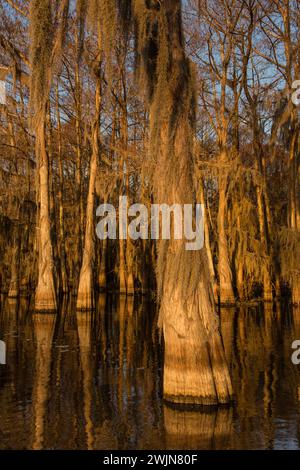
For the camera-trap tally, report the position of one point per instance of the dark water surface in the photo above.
(93, 381)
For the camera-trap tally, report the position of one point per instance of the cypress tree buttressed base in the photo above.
(195, 366)
(45, 299)
(195, 374)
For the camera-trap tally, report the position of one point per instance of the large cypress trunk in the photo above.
(195, 368)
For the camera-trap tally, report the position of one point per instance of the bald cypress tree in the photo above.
(47, 28)
(195, 369)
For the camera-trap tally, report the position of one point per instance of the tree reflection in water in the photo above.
(92, 380)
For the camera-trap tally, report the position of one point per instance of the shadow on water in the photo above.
(92, 380)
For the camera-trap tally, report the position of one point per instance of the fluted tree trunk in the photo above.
(195, 368)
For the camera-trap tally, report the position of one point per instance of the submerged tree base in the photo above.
(227, 297)
(195, 372)
(84, 301)
(45, 304)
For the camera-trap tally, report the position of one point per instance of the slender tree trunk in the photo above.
(78, 178)
(86, 284)
(45, 296)
(126, 278)
(224, 269)
(15, 262)
(62, 249)
(129, 257)
(207, 243)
